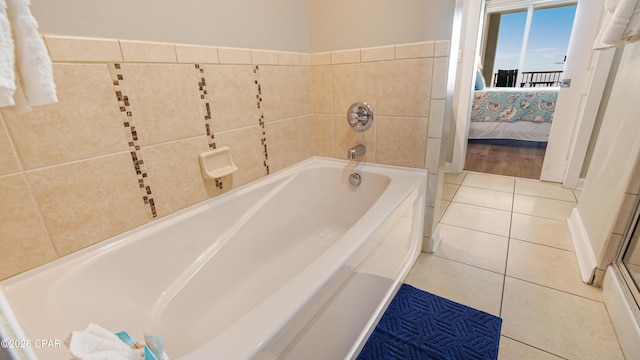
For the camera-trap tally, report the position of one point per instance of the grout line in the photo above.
(22, 172)
(467, 264)
(535, 347)
(555, 289)
(506, 262)
(545, 245)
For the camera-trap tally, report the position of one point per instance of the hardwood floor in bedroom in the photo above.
(506, 157)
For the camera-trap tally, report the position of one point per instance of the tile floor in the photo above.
(507, 250)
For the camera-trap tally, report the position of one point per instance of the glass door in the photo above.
(629, 258)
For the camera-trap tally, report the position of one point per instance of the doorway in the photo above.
(520, 63)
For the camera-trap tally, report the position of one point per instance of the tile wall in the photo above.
(120, 147)
(406, 86)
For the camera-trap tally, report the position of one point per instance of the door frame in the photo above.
(570, 137)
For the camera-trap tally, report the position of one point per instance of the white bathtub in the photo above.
(299, 264)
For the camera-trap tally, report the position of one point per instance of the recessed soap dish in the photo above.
(216, 163)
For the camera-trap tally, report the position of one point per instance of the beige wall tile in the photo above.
(234, 55)
(404, 87)
(174, 174)
(264, 57)
(344, 138)
(323, 135)
(306, 144)
(441, 48)
(282, 144)
(321, 58)
(345, 56)
(8, 161)
(247, 152)
(322, 86)
(415, 50)
(289, 58)
(433, 155)
(193, 54)
(232, 94)
(278, 92)
(378, 53)
(85, 122)
(142, 51)
(439, 80)
(85, 202)
(401, 141)
(24, 241)
(436, 118)
(305, 59)
(304, 99)
(68, 48)
(354, 82)
(165, 101)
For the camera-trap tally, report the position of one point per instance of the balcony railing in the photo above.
(509, 78)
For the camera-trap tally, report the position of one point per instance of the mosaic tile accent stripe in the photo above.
(206, 110)
(206, 105)
(128, 121)
(263, 139)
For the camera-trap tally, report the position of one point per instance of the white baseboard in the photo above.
(621, 315)
(584, 251)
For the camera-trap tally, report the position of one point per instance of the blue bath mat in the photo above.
(420, 325)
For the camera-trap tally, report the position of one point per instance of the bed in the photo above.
(513, 113)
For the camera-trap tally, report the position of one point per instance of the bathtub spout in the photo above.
(356, 151)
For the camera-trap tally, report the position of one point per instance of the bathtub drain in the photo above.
(355, 179)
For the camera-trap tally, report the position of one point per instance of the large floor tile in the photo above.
(488, 181)
(465, 284)
(543, 231)
(544, 189)
(448, 191)
(544, 265)
(473, 248)
(543, 207)
(478, 218)
(564, 324)
(484, 197)
(511, 350)
(451, 178)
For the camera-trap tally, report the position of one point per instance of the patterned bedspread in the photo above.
(514, 104)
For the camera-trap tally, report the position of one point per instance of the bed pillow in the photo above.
(479, 80)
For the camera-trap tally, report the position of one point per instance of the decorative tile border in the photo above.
(206, 105)
(263, 139)
(132, 137)
(206, 110)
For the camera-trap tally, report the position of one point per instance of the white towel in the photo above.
(7, 59)
(98, 343)
(26, 72)
(622, 25)
(32, 59)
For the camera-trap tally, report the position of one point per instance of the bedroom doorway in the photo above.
(519, 69)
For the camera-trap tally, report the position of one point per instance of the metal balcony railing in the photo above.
(509, 78)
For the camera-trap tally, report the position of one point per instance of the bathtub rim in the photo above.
(9, 324)
(119, 239)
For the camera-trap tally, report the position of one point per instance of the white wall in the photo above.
(352, 24)
(616, 150)
(285, 25)
(274, 25)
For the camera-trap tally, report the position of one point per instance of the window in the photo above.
(526, 46)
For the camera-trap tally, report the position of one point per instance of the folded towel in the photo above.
(98, 343)
(622, 25)
(33, 64)
(7, 59)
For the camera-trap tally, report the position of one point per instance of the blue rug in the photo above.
(420, 325)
